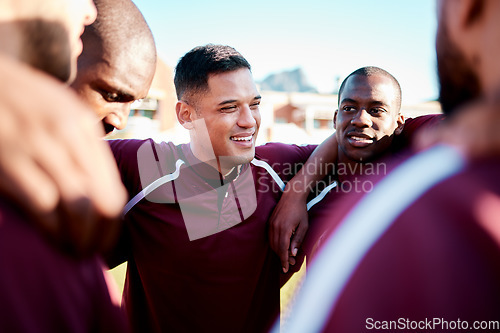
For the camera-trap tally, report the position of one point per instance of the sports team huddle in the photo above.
(213, 228)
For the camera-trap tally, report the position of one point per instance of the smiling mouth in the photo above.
(241, 138)
(359, 140)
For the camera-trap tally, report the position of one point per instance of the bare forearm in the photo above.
(289, 221)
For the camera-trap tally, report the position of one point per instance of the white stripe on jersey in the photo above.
(320, 196)
(361, 229)
(269, 170)
(172, 176)
(153, 186)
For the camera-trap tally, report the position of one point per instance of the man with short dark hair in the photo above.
(196, 229)
(369, 129)
(368, 117)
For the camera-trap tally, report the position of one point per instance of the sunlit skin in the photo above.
(110, 87)
(367, 119)
(78, 14)
(49, 33)
(230, 112)
(83, 13)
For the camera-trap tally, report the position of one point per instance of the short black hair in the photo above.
(370, 71)
(193, 69)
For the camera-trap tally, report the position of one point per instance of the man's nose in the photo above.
(362, 119)
(91, 13)
(119, 117)
(247, 117)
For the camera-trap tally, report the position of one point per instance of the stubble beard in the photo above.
(47, 47)
(459, 84)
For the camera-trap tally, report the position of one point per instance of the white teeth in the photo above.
(357, 138)
(246, 138)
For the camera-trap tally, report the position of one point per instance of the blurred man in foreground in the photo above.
(42, 288)
(60, 169)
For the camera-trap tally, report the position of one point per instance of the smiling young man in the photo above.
(368, 117)
(195, 234)
(368, 123)
(229, 113)
(369, 129)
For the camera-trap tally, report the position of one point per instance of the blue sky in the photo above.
(327, 38)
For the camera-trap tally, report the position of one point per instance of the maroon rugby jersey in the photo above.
(331, 203)
(422, 249)
(438, 259)
(43, 290)
(198, 255)
(412, 126)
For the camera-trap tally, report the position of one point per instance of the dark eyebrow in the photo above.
(234, 100)
(123, 96)
(348, 100)
(228, 101)
(103, 85)
(378, 103)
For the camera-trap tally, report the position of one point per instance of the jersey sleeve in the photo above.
(412, 127)
(139, 163)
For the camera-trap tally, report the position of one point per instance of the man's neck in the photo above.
(347, 169)
(216, 163)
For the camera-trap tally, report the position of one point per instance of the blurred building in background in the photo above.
(289, 117)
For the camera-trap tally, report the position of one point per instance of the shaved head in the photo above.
(118, 61)
(371, 71)
(121, 27)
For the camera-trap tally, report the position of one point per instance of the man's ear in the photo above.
(401, 124)
(185, 114)
(335, 118)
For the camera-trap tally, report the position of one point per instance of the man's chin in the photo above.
(361, 157)
(235, 160)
